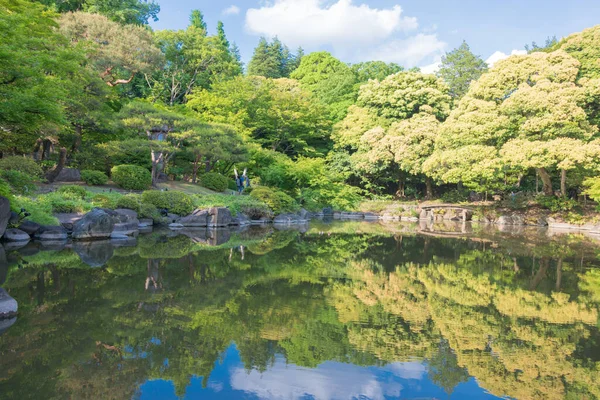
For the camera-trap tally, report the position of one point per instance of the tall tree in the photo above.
(137, 12)
(263, 63)
(197, 21)
(459, 68)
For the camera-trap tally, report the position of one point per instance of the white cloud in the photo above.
(409, 52)
(432, 68)
(329, 381)
(341, 25)
(231, 10)
(498, 56)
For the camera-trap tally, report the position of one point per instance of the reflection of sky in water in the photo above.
(330, 380)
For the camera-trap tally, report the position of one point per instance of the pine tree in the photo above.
(221, 34)
(459, 68)
(235, 53)
(265, 60)
(294, 61)
(197, 20)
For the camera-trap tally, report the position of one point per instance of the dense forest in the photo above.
(88, 84)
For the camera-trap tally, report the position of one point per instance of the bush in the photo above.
(22, 164)
(94, 178)
(556, 204)
(106, 200)
(5, 190)
(232, 186)
(176, 202)
(76, 191)
(20, 182)
(39, 212)
(455, 196)
(277, 200)
(253, 208)
(149, 211)
(65, 202)
(131, 177)
(215, 181)
(130, 201)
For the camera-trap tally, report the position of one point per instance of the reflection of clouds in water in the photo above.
(216, 386)
(328, 381)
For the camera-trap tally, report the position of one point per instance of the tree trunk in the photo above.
(77, 142)
(563, 183)
(62, 160)
(547, 181)
(195, 168)
(428, 188)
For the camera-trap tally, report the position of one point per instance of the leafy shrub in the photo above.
(5, 190)
(106, 200)
(176, 202)
(22, 164)
(94, 178)
(76, 191)
(131, 177)
(20, 182)
(65, 202)
(277, 200)
(130, 201)
(455, 196)
(149, 211)
(236, 204)
(40, 212)
(232, 186)
(556, 204)
(215, 181)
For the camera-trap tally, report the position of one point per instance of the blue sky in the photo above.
(409, 32)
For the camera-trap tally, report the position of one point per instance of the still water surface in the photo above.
(332, 311)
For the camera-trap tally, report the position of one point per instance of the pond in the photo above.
(330, 311)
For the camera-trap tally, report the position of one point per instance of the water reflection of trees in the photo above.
(521, 318)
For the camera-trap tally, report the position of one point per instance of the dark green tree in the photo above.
(459, 68)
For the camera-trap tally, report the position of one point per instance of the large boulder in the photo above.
(3, 265)
(68, 175)
(51, 233)
(29, 227)
(8, 305)
(68, 220)
(219, 216)
(94, 254)
(128, 223)
(198, 219)
(96, 224)
(240, 220)
(15, 235)
(4, 214)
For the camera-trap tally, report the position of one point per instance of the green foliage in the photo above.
(556, 204)
(149, 211)
(272, 60)
(592, 188)
(73, 190)
(94, 178)
(215, 181)
(455, 196)
(176, 202)
(277, 200)
(131, 177)
(20, 182)
(40, 212)
(5, 190)
(131, 201)
(22, 164)
(248, 205)
(459, 68)
(65, 202)
(106, 200)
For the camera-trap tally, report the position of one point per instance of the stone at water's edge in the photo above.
(29, 227)
(241, 220)
(128, 223)
(95, 224)
(8, 305)
(219, 216)
(3, 265)
(94, 254)
(197, 219)
(15, 235)
(4, 214)
(52, 233)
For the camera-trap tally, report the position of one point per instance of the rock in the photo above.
(146, 222)
(14, 218)
(172, 218)
(371, 217)
(240, 220)
(55, 245)
(118, 236)
(15, 235)
(262, 221)
(94, 254)
(126, 215)
(217, 237)
(352, 215)
(96, 224)
(219, 216)
(51, 233)
(6, 323)
(510, 220)
(8, 305)
(335, 215)
(4, 214)
(3, 265)
(68, 220)
(29, 227)
(328, 211)
(288, 219)
(390, 217)
(128, 223)
(176, 226)
(68, 175)
(304, 215)
(424, 215)
(197, 219)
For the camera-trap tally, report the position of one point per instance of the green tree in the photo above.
(122, 11)
(459, 68)
(197, 21)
